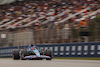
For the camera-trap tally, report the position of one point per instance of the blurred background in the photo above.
(49, 21)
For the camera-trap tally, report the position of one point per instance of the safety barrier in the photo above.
(91, 49)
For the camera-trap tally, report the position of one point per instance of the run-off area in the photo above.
(49, 63)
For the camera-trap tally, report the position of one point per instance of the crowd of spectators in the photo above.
(34, 13)
(80, 20)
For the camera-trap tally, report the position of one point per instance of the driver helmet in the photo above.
(31, 44)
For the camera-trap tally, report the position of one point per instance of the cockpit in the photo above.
(32, 47)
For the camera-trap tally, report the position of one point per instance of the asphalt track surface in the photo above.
(49, 63)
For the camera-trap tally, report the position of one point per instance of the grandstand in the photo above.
(46, 21)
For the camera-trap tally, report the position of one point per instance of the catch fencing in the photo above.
(91, 49)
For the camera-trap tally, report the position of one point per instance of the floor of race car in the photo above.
(49, 63)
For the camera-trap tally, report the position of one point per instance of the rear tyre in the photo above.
(23, 54)
(16, 55)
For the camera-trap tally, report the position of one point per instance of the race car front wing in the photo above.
(34, 56)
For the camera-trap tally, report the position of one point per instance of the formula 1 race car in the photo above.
(32, 52)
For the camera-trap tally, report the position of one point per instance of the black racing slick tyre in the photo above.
(23, 54)
(49, 53)
(16, 55)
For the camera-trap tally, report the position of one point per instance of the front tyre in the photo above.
(23, 54)
(49, 53)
